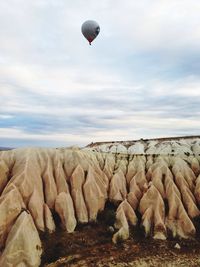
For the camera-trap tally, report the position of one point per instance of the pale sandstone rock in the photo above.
(113, 149)
(94, 197)
(187, 196)
(134, 195)
(59, 173)
(151, 149)
(177, 246)
(118, 189)
(11, 205)
(48, 218)
(195, 166)
(136, 165)
(100, 159)
(197, 189)
(4, 171)
(196, 148)
(8, 157)
(44, 179)
(181, 166)
(109, 166)
(121, 164)
(166, 186)
(157, 181)
(73, 157)
(164, 148)
(101, 180)
(77, 181)
(23, 245)
(50, 188)
(158, 171)
(137, 148)
(140, 179)
(121, 149)
(132, 170)
(152, 209)
(149, 163)
(137, 186)
(26, 173)
(35, 207)
(116, 148)
(124, 214)
(104, 148)
(180, 148)
(64, 207)
(129, 213)
(177, 220)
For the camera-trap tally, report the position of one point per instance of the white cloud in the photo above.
(8, 133)
(165, 25)
(4, 117)
(184, 86)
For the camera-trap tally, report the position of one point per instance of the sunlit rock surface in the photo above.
(23, 245)
(154, 184)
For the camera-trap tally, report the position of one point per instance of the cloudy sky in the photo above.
(139, 79)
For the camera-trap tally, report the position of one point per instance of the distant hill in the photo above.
(129, 142)
(188, 145)
(5, 148)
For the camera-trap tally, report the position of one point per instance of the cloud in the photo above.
(140, 78)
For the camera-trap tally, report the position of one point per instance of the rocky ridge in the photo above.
(154, 184)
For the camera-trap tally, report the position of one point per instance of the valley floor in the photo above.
(91, 245)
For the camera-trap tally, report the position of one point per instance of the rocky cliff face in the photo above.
(153, 184)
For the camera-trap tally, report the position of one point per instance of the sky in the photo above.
(140, 78)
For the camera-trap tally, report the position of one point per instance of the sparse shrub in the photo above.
(107, 216)
(110, 217)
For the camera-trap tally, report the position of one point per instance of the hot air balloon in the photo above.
(90, 29)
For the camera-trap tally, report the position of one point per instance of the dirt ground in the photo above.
(91, 245)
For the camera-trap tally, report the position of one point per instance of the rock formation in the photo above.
(159, 180)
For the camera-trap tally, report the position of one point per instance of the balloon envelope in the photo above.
(90, 29)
